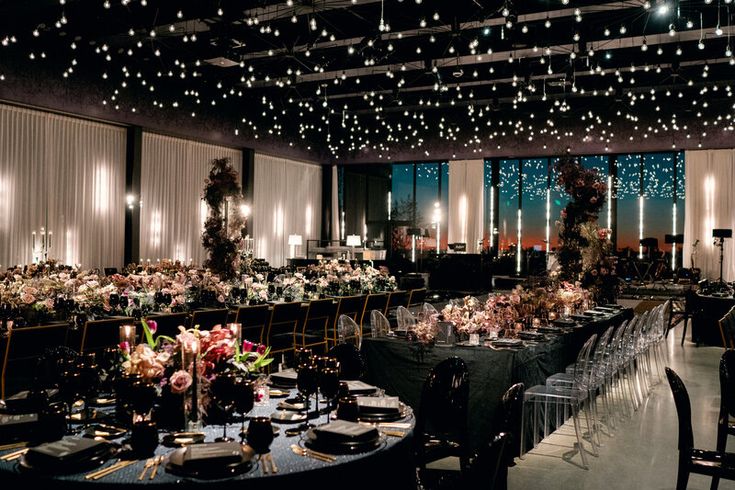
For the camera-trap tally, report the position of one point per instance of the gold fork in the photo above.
(14, 455)
(148, 464)
(156, 464)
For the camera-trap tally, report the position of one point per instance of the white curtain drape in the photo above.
(287, 201)
(710, 203)
(173, 172)
(68, 176)
(466, 206)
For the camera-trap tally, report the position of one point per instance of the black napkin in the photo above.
(69, 450)
(342, 432)
(212, 455)
(25, 402)
(379, 405)
(14, 426)
(284, 378)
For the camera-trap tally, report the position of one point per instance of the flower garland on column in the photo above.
(587, 192)
(224, 228)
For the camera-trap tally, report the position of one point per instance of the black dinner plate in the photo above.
(287, 417)
(311, 441)
(403, 412)
(181, 439)
(104, 431)
(175, 465)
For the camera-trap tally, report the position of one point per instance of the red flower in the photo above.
(152, 325)
(261, 349)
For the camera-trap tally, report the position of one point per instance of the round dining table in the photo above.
(388, 465)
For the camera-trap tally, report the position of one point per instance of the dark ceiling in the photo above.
(369, 80)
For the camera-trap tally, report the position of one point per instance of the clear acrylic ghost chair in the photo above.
(405, 319)
(574, 397)
(348, 331)
(428, 313)
(379, 324)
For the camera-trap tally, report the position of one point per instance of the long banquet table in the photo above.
(400, 367)
(390, 462)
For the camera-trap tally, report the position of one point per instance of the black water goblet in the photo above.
(244, 400)
(70, 390)
(224, 394)
(90, 380)
(114, 300)
(141, 396)
(329, 386)
(307, 382)
(144, 438)
(347, 408)
(302, 356)
(260, 434)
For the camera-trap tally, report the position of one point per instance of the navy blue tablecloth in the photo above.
(391, 461)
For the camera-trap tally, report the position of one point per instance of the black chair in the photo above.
(373, 302)
(487, 471)
(416, 297)
(396, 299)
(282, 327)
(512, 414)
(315, 329)
(207, 319)
(716, 464)
(254, 320)
(21, 349)
(683, 311)
(168, 324)
(727, 399)
(351, 363)
(727, 329)
(441, 420)
(100, 334)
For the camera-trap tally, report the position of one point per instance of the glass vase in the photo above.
(192, 396)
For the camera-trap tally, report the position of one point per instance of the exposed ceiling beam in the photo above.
(445, 28)
(559, 49)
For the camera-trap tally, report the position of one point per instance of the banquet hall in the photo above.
(347, 243)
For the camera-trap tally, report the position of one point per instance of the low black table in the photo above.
(390, 463)
(400, 367)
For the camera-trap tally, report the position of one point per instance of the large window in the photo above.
(508, 205)
(535, 187)
(600, 164)
(628, 197)
(420, 199)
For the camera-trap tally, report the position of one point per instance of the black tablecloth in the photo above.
(390, 463)
(401, 367)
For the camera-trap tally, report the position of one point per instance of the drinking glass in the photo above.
(260, 434)
(223, 391)
(244, 400)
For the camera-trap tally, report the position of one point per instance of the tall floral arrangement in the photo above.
(587, 192)
(223, 230)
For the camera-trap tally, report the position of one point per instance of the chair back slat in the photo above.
(21, 349)
(100, 334)
(683, 410)
(208, 319)
(254, 320)
(168, 324)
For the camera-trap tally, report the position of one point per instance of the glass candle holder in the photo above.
(127, 337)
(236, 329)
(192, 401)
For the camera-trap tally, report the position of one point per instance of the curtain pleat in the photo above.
(287, 201)
(466, 205)
(67, 174)
(173, 172)
(710, 200)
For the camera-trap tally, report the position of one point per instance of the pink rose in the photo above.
(152, 325)
(180, 382)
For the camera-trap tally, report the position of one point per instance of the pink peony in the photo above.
(180, 381)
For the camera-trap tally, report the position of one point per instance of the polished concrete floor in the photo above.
(642, 454)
